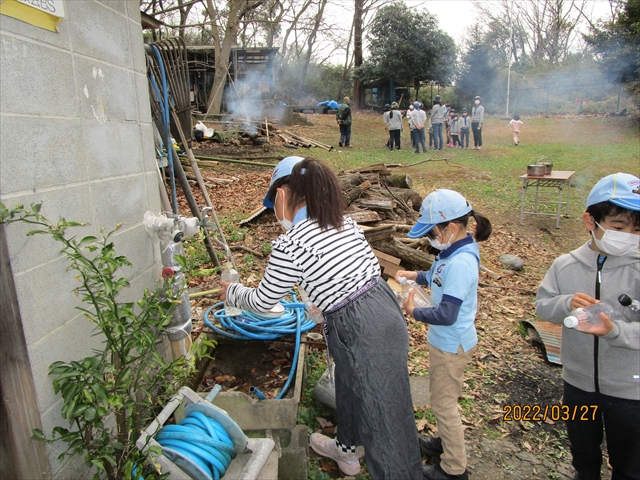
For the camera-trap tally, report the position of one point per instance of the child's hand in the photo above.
(406, 274)
(600, 330)
(223, 290)
(409, 305)
(581, 300)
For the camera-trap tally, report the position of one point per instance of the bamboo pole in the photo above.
(229, 160)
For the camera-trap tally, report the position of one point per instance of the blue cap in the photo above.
(416, 105)
(283, 169)
(440, 206)
(621, 189)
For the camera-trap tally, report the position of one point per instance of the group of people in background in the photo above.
(441, 122)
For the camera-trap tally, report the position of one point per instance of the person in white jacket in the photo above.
(477, 119)
(601, 368)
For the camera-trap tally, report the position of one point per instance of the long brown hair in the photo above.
(315, 185)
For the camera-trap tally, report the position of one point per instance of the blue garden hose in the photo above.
(200, 440)
(251, 326)
(163, 99)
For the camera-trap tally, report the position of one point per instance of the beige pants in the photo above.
(446, 371)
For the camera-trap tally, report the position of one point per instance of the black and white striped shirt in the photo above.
(330, 265)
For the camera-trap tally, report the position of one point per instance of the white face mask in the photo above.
(284, 223)
(477, 102)
(616, 243)
(435, 243)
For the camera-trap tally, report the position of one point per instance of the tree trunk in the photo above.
(358, 90)
(346, 68)
(311, 41)
(237, 10)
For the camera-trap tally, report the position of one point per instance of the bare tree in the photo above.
(542, 30)
(311, 40)
(224, 38)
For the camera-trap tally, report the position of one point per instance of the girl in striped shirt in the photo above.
(327, 254)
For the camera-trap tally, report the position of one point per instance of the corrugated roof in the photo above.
(551, 337)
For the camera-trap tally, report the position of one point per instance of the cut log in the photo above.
(375, 234)
(380, 168)
(379, 204)
(410, 197)
(416, 258)
(347, 182)
(400, 180)
(363, 216)
(356, 192)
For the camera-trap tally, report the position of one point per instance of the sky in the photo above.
(456, 16)
(459, 14)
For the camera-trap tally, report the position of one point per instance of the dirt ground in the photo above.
(508, 369)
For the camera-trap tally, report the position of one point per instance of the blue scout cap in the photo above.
(283, 169)
(440, 206)
(621, 189)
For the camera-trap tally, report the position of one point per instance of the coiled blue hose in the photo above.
(251, 326)
(202, 440)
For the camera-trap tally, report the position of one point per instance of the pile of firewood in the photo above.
(385, 206)
(261, 132)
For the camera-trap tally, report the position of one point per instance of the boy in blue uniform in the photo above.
(451, 339)
(601, 369)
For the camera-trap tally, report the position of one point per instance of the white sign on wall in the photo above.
(52, 7)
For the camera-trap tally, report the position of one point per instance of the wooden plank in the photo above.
(389, 258)
(389, 270)
(28, 457)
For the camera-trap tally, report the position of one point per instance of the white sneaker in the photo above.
(325, 446)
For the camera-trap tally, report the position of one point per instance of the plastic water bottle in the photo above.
(229, 274)
(586, 317)
(421, 298)
(314, 312)
(631, 310)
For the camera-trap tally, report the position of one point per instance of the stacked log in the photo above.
(386, 207)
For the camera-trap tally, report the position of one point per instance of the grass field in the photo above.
(592, 146)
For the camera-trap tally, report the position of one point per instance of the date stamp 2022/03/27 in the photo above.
(541, 413)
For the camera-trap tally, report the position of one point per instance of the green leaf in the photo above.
(91, 414)
(86, 240)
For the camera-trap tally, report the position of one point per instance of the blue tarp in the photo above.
(332, 104)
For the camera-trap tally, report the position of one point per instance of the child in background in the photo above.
(385, 119)
(465, 126)
(515, 125)
(430, 133)
(451, 338)
(601, 369)
(455, 132)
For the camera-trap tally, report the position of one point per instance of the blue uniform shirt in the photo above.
(453, 277)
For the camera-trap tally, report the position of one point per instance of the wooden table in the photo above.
(555, 181)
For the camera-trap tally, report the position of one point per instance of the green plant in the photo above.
(127, 381)
(266, 249)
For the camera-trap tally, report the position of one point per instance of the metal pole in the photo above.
(506, 113)
(619, 92)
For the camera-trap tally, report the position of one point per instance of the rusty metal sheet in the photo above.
(551, 337)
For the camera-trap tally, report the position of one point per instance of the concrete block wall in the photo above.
(76, 135)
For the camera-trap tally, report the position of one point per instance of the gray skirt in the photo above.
(369, 342)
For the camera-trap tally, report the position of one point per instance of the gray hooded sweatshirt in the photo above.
(609, 364)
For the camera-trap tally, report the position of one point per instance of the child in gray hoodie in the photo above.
(601, 369)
